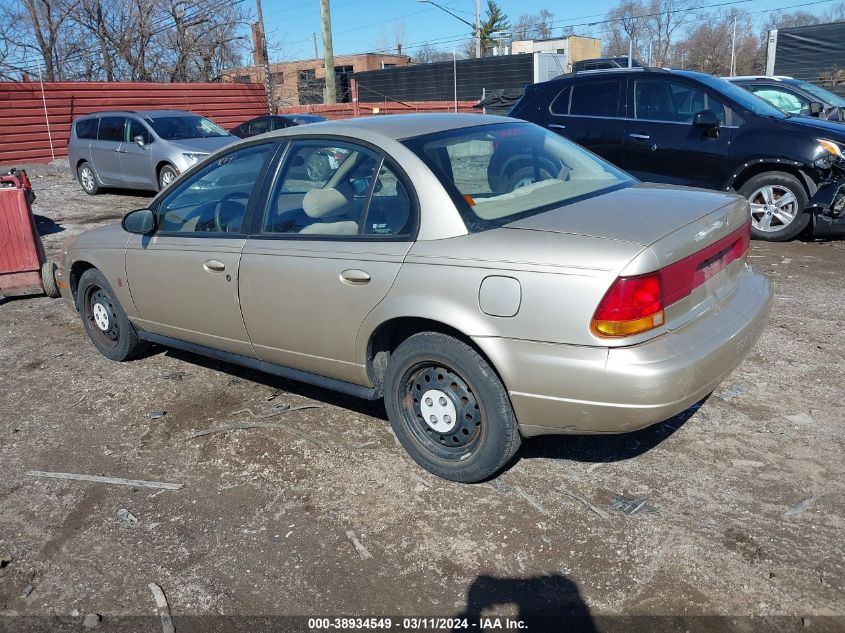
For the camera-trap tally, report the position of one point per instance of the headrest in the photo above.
(324, 203)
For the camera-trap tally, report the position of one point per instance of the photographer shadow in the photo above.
(544, 603)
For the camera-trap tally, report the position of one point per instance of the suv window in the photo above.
(259, 126)
(337, 189)
(87, 128)
(782, 99)
(561, 103)
(111, 128)
(136, 128)
(660, 100)
(596, 98)
(214, 199)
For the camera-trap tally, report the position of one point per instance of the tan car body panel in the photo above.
(286, 303)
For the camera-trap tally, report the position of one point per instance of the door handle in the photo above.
(355, 277)
(557, 126)
(214, 266)
(644, 137)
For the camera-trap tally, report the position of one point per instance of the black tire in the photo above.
(165, 173)
(88, 178)
(779, 181)
(525, 176)
(485, 434)
(118, 341)
(48, 279)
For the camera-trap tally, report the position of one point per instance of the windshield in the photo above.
(176, 128)
(741, 96)
(500, 173)
(824, 95)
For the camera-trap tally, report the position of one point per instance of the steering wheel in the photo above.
(218, 221)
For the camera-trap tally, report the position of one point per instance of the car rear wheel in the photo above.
(88, 179)
(524, 177)
(104, 319)
(166, 176)
(778, 201)
(449, 409)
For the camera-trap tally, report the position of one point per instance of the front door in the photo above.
(662, 145)
(136, 160)
(329, 247)
(106, 150)
(184, 278)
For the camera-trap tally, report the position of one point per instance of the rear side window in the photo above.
(597, 98)
(561, 103)
(111, 128)
(87, 128)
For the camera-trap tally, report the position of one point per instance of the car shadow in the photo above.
(47, 226)
(610, 447)
(549, 602)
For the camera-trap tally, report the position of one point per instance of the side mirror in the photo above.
(139, 222)
(815, 108)
(139, 139)
(708, 121)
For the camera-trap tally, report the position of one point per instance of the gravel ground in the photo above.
(328, 516)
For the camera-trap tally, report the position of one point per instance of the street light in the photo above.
(476, 27)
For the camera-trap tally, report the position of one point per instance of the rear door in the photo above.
(106, 150)
(328, 248)
(662, 145)
(590, 112)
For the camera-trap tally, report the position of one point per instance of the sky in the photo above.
(357, 24)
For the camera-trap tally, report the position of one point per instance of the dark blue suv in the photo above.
(690, 128)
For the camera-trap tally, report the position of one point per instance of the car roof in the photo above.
(401, 126)
(150, 114)
(780, 78)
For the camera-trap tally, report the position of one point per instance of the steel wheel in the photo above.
(773, 208)
(101, 314)
(441, 410)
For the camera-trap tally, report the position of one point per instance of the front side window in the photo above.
(136, 128)
(335, 189)
(181, 127)
(497, 174)
(87, 129)
(783, 100)
(669, 101)
(215, 198)
(111, 128)
(596, 98)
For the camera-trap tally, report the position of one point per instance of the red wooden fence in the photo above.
(24, 136)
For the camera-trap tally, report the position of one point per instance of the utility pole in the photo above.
(478, 28)
(733, 51)
(268, 80)
(316, 54)
(328, 54)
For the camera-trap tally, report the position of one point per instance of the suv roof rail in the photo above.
(577, 73)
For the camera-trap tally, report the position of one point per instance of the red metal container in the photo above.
(22, 260)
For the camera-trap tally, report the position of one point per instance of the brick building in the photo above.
(302, 82)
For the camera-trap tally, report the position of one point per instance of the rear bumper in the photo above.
(571, 389)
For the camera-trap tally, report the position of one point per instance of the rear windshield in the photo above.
(175, 128)
(500, 173)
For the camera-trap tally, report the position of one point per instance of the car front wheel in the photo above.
(105, 322)
(778, 201)
(448, 408)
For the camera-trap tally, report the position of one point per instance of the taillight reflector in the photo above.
(632, 305)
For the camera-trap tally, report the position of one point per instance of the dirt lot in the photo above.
(265, 522)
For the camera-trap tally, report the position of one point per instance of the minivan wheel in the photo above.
(524, 177)
(166, 176)
(88, 179)
(104, 319)
(778, 201)
(448, 408)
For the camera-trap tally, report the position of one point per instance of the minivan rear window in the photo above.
(86, 128)
(596, 98)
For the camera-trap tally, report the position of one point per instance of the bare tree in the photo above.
(533, 26)
(666, 18)
(708, 45)
(628, 24)
(390, 39)
(427, 54)
(47, 19)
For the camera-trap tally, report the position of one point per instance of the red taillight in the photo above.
(632, 305)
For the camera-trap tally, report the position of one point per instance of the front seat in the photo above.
(329, 209)
(655, 102)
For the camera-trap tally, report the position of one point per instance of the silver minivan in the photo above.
(140, 149)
